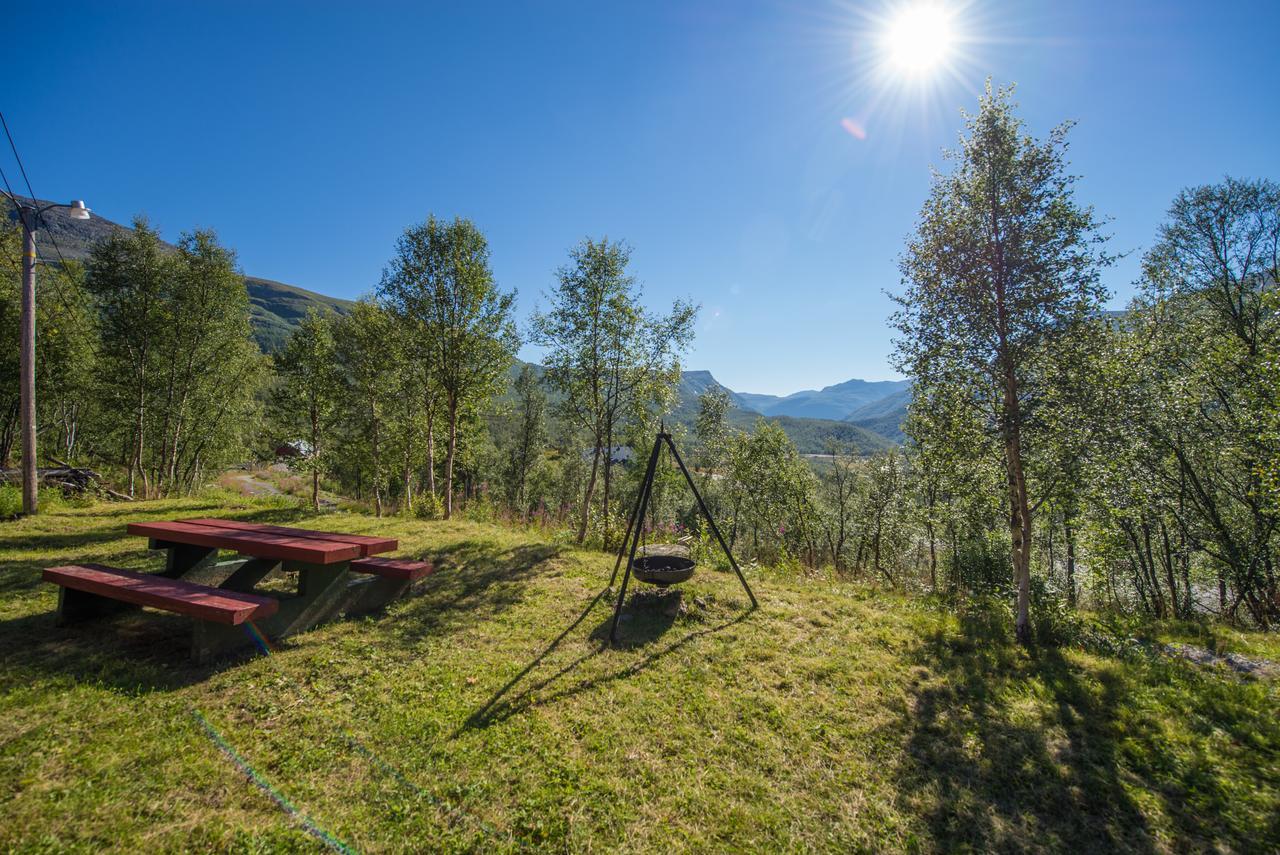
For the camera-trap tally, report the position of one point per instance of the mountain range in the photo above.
(865, 415)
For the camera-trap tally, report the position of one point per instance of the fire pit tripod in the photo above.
(662, 569)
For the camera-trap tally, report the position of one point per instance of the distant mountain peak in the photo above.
(836, 402)
(876, 405)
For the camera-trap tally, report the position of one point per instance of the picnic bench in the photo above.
(335, 574)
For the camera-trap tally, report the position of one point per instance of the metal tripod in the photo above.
(636, 523)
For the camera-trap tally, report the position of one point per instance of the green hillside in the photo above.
(885, 416)
(811, 436)
(275, 308)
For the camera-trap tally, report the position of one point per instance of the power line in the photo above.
(21, 168)
(35, 200)
(7, 189)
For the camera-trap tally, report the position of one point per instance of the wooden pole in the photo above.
(27, 361)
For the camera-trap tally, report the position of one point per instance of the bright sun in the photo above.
(919, 38)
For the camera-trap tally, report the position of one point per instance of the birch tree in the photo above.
(1002, 270)
(441, 282)
(308, 396)
(607, 355)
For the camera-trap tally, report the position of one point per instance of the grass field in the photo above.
(485, 714)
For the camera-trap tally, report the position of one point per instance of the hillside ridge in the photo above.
(275, 308)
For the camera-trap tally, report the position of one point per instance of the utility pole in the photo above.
(29, 215)
(30, 500)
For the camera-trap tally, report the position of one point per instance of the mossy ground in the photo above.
(486, 713)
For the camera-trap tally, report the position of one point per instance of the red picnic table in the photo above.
(335, 572)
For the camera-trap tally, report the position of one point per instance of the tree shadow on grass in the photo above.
(474, 580)
(992, 767)
(1008, 749)
(652, 616)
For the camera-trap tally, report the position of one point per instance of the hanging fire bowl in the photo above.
(663, 565)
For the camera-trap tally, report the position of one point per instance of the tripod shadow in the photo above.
(649, 624)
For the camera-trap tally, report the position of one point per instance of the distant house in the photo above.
(617, 454)
(294, 448)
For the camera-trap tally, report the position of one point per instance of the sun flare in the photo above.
(919, 38)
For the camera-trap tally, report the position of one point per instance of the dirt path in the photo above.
(252, 485)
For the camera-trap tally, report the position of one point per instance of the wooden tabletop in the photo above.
(266, 541)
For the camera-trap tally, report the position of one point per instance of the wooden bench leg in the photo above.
(374, 594)
(75, 606)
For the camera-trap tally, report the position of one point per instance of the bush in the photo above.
(480, 510)
(10, 501)
(428, 507)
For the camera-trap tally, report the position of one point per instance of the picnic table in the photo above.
(335, 574)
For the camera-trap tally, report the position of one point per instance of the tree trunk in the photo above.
(591, 488)
(933, 559)
(377, 471)
(608, 468)
(135, 463)
(315, 459)
(450, 450)
(1070, 535)
(431, 443)
(1019, 510)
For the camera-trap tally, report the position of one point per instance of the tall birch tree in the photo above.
(1001, 272)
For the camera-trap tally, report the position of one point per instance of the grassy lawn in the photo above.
(484, 713)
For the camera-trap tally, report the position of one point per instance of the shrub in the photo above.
(428, 506)
(10, 501)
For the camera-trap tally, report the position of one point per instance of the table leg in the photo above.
(183, 560)
(248, 573)
(374, 594)
(322, 594)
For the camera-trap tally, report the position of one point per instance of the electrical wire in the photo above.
(35, 200)
(62, 297)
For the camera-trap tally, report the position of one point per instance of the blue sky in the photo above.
(710, 135)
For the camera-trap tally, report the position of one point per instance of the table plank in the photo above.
(255, 543)
(369, 545)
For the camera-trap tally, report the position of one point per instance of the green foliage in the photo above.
(366, 351)
(1181, 495)
(67, 336)
(309, 394)
(427, 506)
(441, 287)
(611, 362)
(529, 439)
(177, 369)
(1001, 274)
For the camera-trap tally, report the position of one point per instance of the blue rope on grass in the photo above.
(275, 795)
(265, 647)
